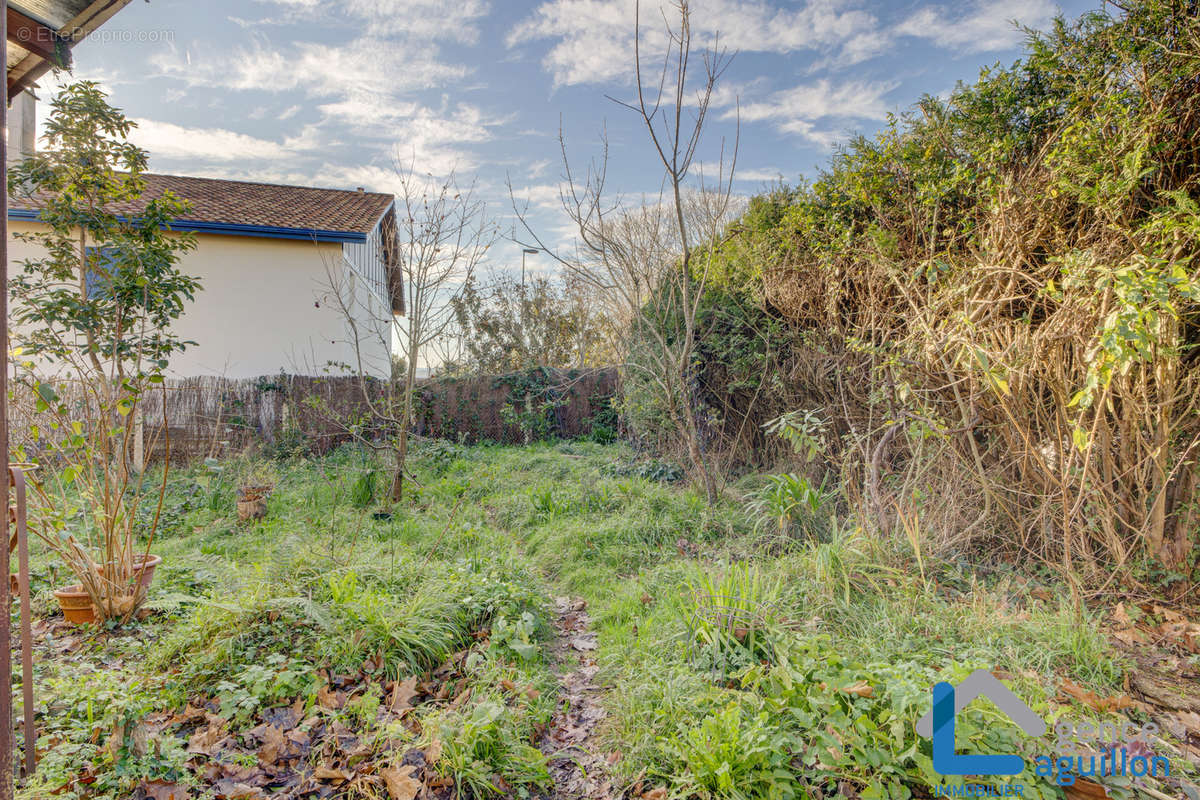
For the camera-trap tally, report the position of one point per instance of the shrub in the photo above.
(998, 295)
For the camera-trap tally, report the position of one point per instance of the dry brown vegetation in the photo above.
(994, 306)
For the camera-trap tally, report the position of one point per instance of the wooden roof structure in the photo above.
(41, 34)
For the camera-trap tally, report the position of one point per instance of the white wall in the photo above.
(265, 306)
(22, 127)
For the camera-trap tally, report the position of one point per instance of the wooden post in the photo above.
(6, 726)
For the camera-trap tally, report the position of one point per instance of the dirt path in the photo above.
(576, 769)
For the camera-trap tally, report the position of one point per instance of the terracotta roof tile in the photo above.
(262, 204)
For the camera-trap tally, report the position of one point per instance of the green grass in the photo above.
(254, 617)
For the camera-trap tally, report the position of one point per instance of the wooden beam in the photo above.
(6, 737)
(35, 37)
(34, 65)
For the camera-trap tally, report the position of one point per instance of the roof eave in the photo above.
(234, 229)
(269, 231)
(22, 75)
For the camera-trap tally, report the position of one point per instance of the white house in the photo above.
(293, 278)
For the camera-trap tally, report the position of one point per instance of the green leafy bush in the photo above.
(998, 293)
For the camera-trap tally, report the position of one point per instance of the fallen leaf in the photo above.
(1129, 636)
(613, 757)
(332, 774)
(400, 783)
(507, 685)
(1084, 789)
(860, 688)
(139, 739)
(204, 740)
(273, 744)
(1168, 614)
(655, 794)
(116, 740)
(161, 790)
(329, 699)
(433, 752)
(583, 644)
(1093, 700)
(190, 713)
(232, 790)
(1121, 616)
(531, 693)
(402, 694)
(1184, 633)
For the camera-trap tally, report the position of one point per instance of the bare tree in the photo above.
(442, 232)
(652, 261)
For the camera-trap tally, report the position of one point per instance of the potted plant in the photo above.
(94, 308)
(256, 481)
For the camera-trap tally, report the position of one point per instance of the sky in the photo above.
(337, 93)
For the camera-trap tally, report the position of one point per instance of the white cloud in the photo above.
(538, 168)
(434, 142)
(373, 178)
(168, 140)
(544, 196)
(766, 175)
(437, 141)
(824, 138)
(797, 110)
(595, 38)
(982, 26)
(425, 19)
(851, 100)
(371, 65)
(362, 90)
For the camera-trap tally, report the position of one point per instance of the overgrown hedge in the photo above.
(994, 306)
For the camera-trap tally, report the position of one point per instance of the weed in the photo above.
(516, 636)
(738, 753)
(789, 501)
(486, 750)
(548, 503)
(362, 492)
(733, 618)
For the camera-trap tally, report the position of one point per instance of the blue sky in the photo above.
(332, 92)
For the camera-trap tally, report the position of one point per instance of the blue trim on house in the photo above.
(233, 229)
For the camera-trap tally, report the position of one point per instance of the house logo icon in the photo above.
(948, 700)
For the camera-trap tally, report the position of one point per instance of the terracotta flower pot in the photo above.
(252, 502)
(76, 605)
(143, 565)
(146, 565)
